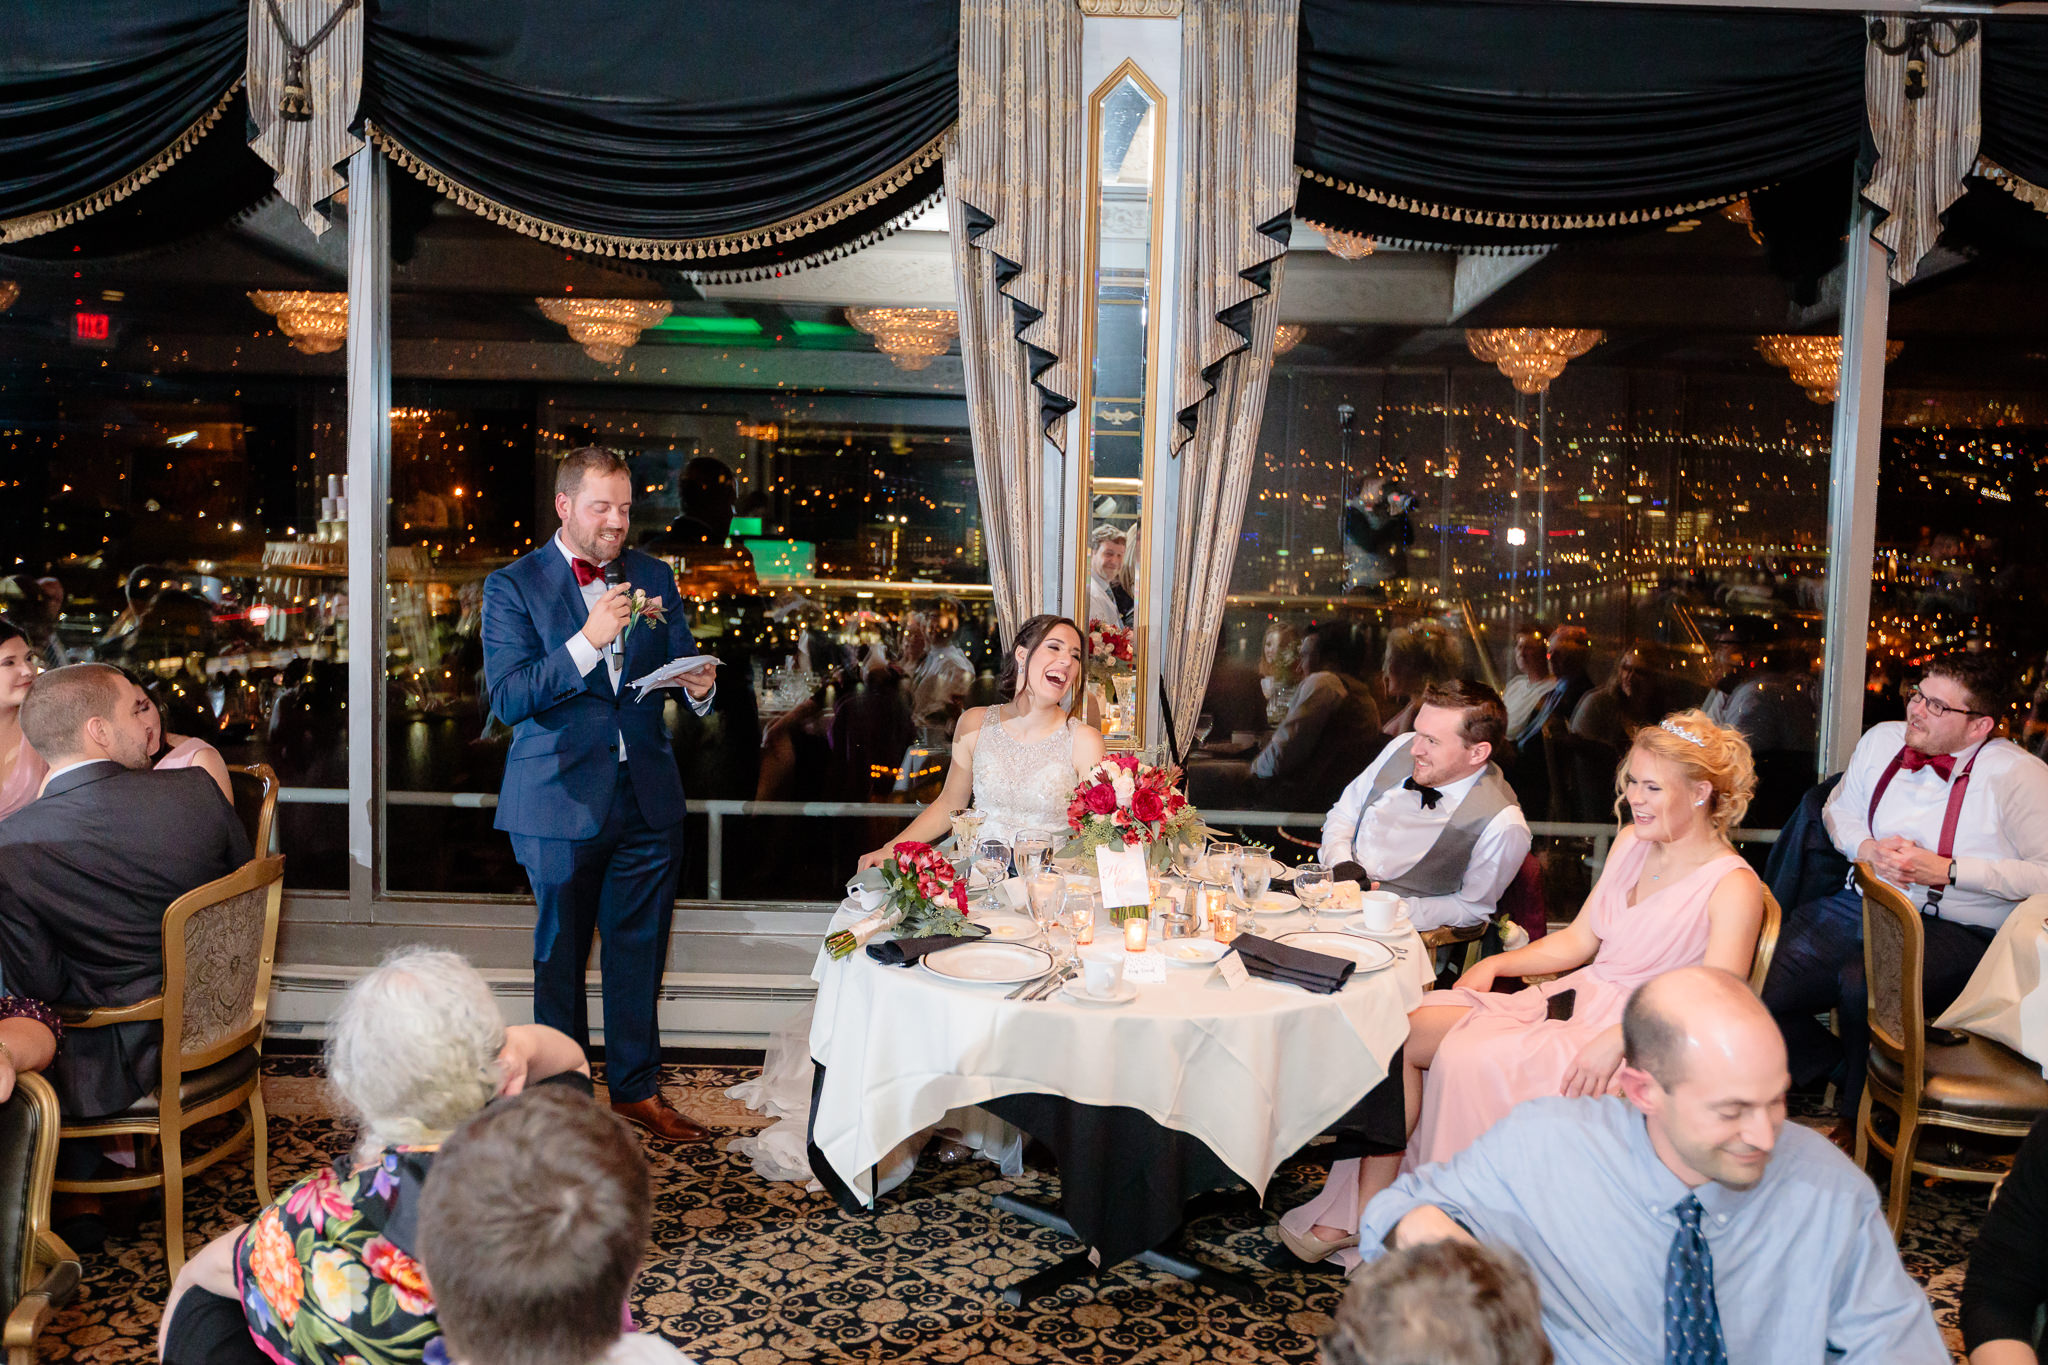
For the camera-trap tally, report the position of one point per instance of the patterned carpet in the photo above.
(757, 1273)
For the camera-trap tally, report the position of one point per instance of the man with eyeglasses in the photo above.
(1937, 806)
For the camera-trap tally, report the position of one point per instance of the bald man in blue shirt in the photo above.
(1683, 1221)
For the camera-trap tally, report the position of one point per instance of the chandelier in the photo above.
(1287, 336)
(910, 337)
(9, 292)
(1815, 362)
(1532, 356)
(1347, 246)
(605, 327)
(316, 323)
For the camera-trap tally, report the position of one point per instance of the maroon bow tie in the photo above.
(588, 573)
(1912, 761)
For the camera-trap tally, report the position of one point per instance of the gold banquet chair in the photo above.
(38, 1273)
(255, 787)
(1766, 942)
(1977, 1086)
(220, 941)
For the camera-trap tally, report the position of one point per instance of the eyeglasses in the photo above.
(1938, 709)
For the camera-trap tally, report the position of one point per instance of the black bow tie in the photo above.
(1430, 795)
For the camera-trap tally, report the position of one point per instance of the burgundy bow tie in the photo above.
(588, 573)
(1912, 761)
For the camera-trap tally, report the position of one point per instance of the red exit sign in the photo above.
(92, 329)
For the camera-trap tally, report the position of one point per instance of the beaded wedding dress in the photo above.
(1017, 786)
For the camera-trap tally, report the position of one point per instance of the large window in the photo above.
(175, 455)
(814, 494)
(1650, 524)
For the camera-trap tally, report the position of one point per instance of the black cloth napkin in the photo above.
(904, 952)
(1270, 961)
(1348, 871)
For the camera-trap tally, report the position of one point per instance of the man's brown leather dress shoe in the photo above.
(657, 1116)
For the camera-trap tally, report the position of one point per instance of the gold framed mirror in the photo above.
(1120, 341)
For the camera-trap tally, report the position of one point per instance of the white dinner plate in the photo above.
(1370, 954)
(1192, 952)
(1278, 903)
(1076, 990)
(1401, 927)
(988, 964)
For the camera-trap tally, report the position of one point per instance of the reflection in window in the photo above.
(811, 482)
(175, 426)
(1646, 531)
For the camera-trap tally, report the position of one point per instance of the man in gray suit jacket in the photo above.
(88, 869)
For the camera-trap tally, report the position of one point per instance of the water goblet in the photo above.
(1204, 725)
(1033, 849)
(992, 865)
(1217, 858)
(1047, 894)
(967, 823)
(1251, 871)
(1312, 883)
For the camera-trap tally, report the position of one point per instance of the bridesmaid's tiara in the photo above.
(1688, 736)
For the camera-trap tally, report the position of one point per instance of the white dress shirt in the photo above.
(2001, 848)
(586, 655)
(1523, 695)
(1396, 831)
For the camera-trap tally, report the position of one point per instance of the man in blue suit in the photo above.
(591, 797)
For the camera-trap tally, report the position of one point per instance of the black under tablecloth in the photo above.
(1125, 1177)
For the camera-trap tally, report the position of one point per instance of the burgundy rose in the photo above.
(1145, 804)
(1101, 798)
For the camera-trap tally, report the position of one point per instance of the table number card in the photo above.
(1232, 970)
(1123, 877)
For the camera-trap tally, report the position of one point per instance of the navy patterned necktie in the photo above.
(1692, 1324)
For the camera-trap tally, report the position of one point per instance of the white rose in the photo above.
(1124, 785)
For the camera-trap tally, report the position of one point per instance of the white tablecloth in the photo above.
(1252, 1073)
(2006, 999)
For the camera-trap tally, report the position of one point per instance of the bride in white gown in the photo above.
(1019, 762)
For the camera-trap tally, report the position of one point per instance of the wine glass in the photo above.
(1204, 725)
(967, 823)
(1250, 874)
(1312, 883)
(1218, 857)
(1033, 848)
(992, 864)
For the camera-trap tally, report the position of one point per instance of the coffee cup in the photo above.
(1103, 972)
(1383, 910)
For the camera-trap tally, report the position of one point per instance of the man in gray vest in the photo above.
(1432, 819)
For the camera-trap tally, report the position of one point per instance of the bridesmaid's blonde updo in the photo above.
(1704, 752)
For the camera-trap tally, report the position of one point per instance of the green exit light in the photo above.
(703, 326)
(782, 558)
(746, 526)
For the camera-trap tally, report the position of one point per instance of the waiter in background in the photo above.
(591, 797)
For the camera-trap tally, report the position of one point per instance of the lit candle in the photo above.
(1214, 903)
(1135, 929)
(1084, 924)
(1223, 920)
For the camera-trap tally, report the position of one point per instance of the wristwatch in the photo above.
(1951, 871)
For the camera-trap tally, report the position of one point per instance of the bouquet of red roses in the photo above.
(1123, 801)
(1109, 650)
(923, 895)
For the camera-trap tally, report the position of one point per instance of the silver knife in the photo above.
(1058, 979)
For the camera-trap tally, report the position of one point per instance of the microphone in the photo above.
(615, 574)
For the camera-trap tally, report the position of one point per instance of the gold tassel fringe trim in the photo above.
(36, 224)
(782, 268)
(1410, 244)
(2026, 191)
(1521, 222)
(665, 248)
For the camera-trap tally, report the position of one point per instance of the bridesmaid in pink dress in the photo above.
(1674, 893)
(22, 770)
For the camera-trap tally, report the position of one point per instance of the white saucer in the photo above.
(1208, 952)
(1077, 991)
(1007, 928)
(1401, 926)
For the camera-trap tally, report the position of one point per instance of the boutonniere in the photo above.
(644, 608)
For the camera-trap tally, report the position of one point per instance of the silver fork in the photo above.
(1058, 979)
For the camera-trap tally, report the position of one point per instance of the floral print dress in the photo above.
(326, 1274)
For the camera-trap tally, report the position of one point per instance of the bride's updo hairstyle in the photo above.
(1029, 636)
(1703, 752)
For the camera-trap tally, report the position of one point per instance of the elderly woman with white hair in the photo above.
(327, 1272)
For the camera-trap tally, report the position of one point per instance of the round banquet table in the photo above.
(1189, 1087)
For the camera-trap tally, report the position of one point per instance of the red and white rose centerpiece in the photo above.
(1126, 803)
(1109, 651)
